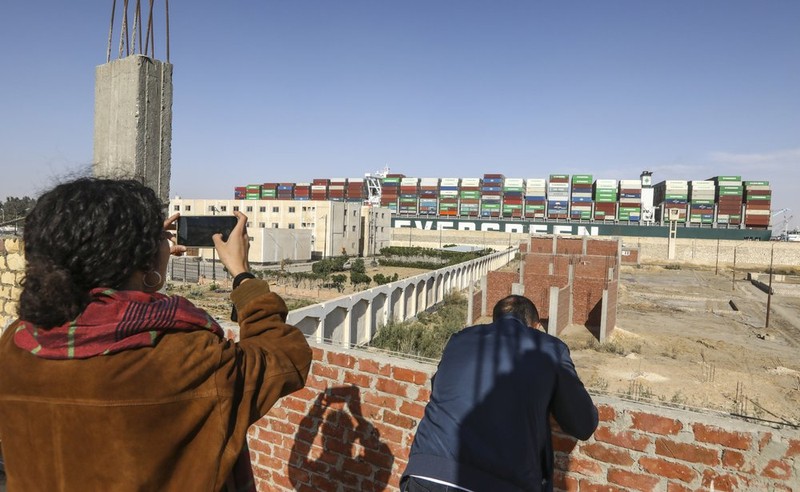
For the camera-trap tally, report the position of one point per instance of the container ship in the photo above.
(721, 207)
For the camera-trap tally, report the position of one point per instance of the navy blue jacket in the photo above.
(486, 427)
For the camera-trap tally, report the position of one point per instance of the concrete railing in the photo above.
(354, 319)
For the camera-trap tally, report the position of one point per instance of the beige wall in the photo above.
(376, 228)
(12, 267)
(335, 226)
(702, 252)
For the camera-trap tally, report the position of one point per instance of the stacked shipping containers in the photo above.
(448, 196)
(558, 196)
(285, 191)
(605, 199)
(336, 189)
(513, 189)
(253, 192)
(355, 190)
(302, 191)
(672, 194)
(409, 196)
(630, 200)
(240, 193)
(758, 203)
(428, 196)
(581, 197)
(701, 204)
(729, 199)
(491, 195)
(319, 189)
(469, 197)
(269, 191)
(390, 191)
(535, 198)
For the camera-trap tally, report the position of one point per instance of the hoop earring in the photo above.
(154, 284)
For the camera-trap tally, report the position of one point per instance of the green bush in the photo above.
(427, 335)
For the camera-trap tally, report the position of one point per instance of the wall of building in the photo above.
(703, 252)
(12, 268)
(376, 230)
(352, 426)
(335, 226)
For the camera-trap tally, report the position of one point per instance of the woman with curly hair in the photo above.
(106, 384)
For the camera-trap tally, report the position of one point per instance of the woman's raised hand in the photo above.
(169, 226)
(233, 252)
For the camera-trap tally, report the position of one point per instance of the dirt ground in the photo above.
(679, 341)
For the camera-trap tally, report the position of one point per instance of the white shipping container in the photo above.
(630, 184)
(409, 181)
(536, 182)
(705, 185)
(606, 183)
(758, 212)
(449, 181)
(470, 182)
(429, 182)
(515, 182)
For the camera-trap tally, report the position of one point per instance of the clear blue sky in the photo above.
(292, 90)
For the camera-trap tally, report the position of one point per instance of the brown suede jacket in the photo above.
(173, 417)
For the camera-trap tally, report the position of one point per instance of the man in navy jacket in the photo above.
(486, 427)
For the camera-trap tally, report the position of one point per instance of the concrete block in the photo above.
(12, 246)
(518, 289)
(15, 262)
(8, 278)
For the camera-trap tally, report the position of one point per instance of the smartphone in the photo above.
(196, 230)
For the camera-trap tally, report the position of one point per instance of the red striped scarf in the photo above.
(115, 320)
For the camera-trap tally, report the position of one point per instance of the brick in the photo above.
(371, 412)
(372, 367)
(721, 482)
(794, 448)
(732, 459)
(342, 360)
(676, 487)
(606, 413)
(667, 469)
(687, 452)
(655, 424)
(358, 467)
(424, 394)
(582, 466)
(392, 387)
(778, 469)
(384, 401)
(766, 437)
(412, 410)
(563, 443)
(625, 439)
(388, 434)
(317, 354)
(607, 454)
(562, 481)
(362, 381)
(295, 404)
(323, 371)
(631, 480)
(589, 486)
(398, 420)
(715, 435)
(313, 382)
(409, 376)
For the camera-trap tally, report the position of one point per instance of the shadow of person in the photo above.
(336, 446)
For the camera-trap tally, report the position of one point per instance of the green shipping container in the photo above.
(728, 178)
(759, 197)
(756, 183)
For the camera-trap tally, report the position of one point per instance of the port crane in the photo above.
(786, 219)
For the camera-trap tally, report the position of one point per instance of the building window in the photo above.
(176, 208)
(276, 209)
(262, 225)
(249, 209)
(223, 208)
(354, 228)
(354, 213)
(262, 209)
(305, 209)
(188, 208)
(248, 223)
(236, 209)
(291, 210)
(211, 208)
(274, 225)
(291, 226)
(381, 229)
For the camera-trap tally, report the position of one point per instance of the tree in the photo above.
(338, 281)
(15, 208)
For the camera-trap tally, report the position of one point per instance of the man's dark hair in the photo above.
(84, 234)
(517, 306)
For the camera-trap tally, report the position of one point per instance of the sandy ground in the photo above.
(678, 340)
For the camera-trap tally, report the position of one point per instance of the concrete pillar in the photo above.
(347, 328)
(604, 316)
(470, 295)
(319, 334)
(133, 121)
(369, 324)
(555, 245)
(484, 293)
(584, 245)
(518, 289)
(552, 320)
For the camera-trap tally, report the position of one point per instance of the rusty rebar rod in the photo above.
(111, 31)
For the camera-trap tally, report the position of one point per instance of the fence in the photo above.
(354, 319)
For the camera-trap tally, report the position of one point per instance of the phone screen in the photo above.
(196, 230)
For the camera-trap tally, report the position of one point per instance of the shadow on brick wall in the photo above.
(335, 445)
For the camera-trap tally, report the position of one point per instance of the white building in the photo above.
(323, 228)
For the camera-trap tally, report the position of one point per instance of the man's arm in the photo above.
(572, 406)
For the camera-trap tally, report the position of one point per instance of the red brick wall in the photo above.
(630, 256)
(542, 245)
(598, 247)
(351, 428)
(569, 246)
(587, 301)
(498, 287)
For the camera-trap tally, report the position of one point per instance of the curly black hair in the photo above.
(84, 234)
